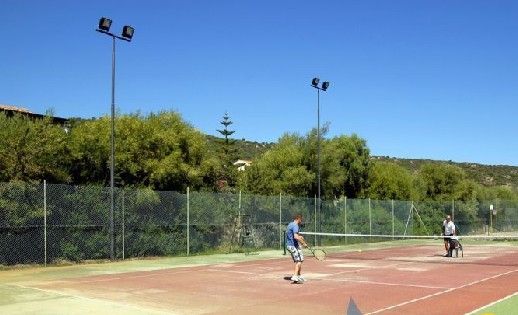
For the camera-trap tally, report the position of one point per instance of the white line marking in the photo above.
(87, 298)
(351, 271)
(148, 274)
(386, 283)
(492, 303)
(441, 292)
(54, 292)
(233, 271)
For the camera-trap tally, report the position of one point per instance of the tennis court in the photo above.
(396, 277)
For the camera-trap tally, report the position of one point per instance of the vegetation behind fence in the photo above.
(50, 223)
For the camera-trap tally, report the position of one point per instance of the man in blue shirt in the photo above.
(293, 242)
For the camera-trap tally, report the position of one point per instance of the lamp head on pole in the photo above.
(315, 81)
(105, 24)
(325, 85)
(127, 32)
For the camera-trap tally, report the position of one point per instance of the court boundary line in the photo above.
(441, 292)
(492, 303)
(338, 280)
(152, 273)
(79, 297)
(385, 283)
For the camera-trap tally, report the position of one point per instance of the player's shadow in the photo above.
(293, 282)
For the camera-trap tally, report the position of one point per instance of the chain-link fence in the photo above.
(42, 223)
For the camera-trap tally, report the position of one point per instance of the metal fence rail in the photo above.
(41, 223)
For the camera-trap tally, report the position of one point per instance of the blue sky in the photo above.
(416, 79)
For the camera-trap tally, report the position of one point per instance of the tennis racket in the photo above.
(318, 253)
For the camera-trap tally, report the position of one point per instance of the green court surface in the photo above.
(19, 293)
(506, 306)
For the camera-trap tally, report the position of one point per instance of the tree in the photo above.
(32, 150)
(228, 153)
(439, 181)
(346, 166)
(159, 151)
(389, 181)
(281, 169)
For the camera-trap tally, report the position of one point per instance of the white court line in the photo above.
(149, 274)
(88, 299)
(492, 303)
(441, 292)
(53, 292)
(351, 271)
(386, 283)
(233, 271)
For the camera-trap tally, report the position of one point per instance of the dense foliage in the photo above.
(161, 152)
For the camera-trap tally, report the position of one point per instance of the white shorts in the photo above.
(296, 254)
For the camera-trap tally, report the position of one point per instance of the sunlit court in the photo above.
(406, 276)
(259, 157)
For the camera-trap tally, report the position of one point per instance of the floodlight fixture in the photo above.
(105, 24)
(127, 32)
(325, 85)
(315, 81)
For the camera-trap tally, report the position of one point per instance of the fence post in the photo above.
(315, 216)
(345, 219)
(188, 221)
(45, 222)
(412, 214)
(392, 218)
(280, 220)
(370, 218)
(123, 223)
(453, 210)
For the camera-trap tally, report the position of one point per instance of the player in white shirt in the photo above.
(448, 230)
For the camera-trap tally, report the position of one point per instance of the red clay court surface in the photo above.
(410, 280)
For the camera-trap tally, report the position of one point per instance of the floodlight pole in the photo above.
(112, 160)
(323, 87)
(319, 205)
(112, 139)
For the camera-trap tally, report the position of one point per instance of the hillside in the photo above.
(246, 150)
(487, 175)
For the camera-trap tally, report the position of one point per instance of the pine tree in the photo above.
(228, 151)
(225, 132)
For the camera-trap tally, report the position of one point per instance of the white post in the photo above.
(280, 220)
(123, 224)
(45, 221)
(188, 221)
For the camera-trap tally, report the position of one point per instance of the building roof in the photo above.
(12, 110)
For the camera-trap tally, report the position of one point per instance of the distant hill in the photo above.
(487, 175)
(246, 150)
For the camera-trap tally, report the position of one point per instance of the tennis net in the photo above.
(497, 249)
